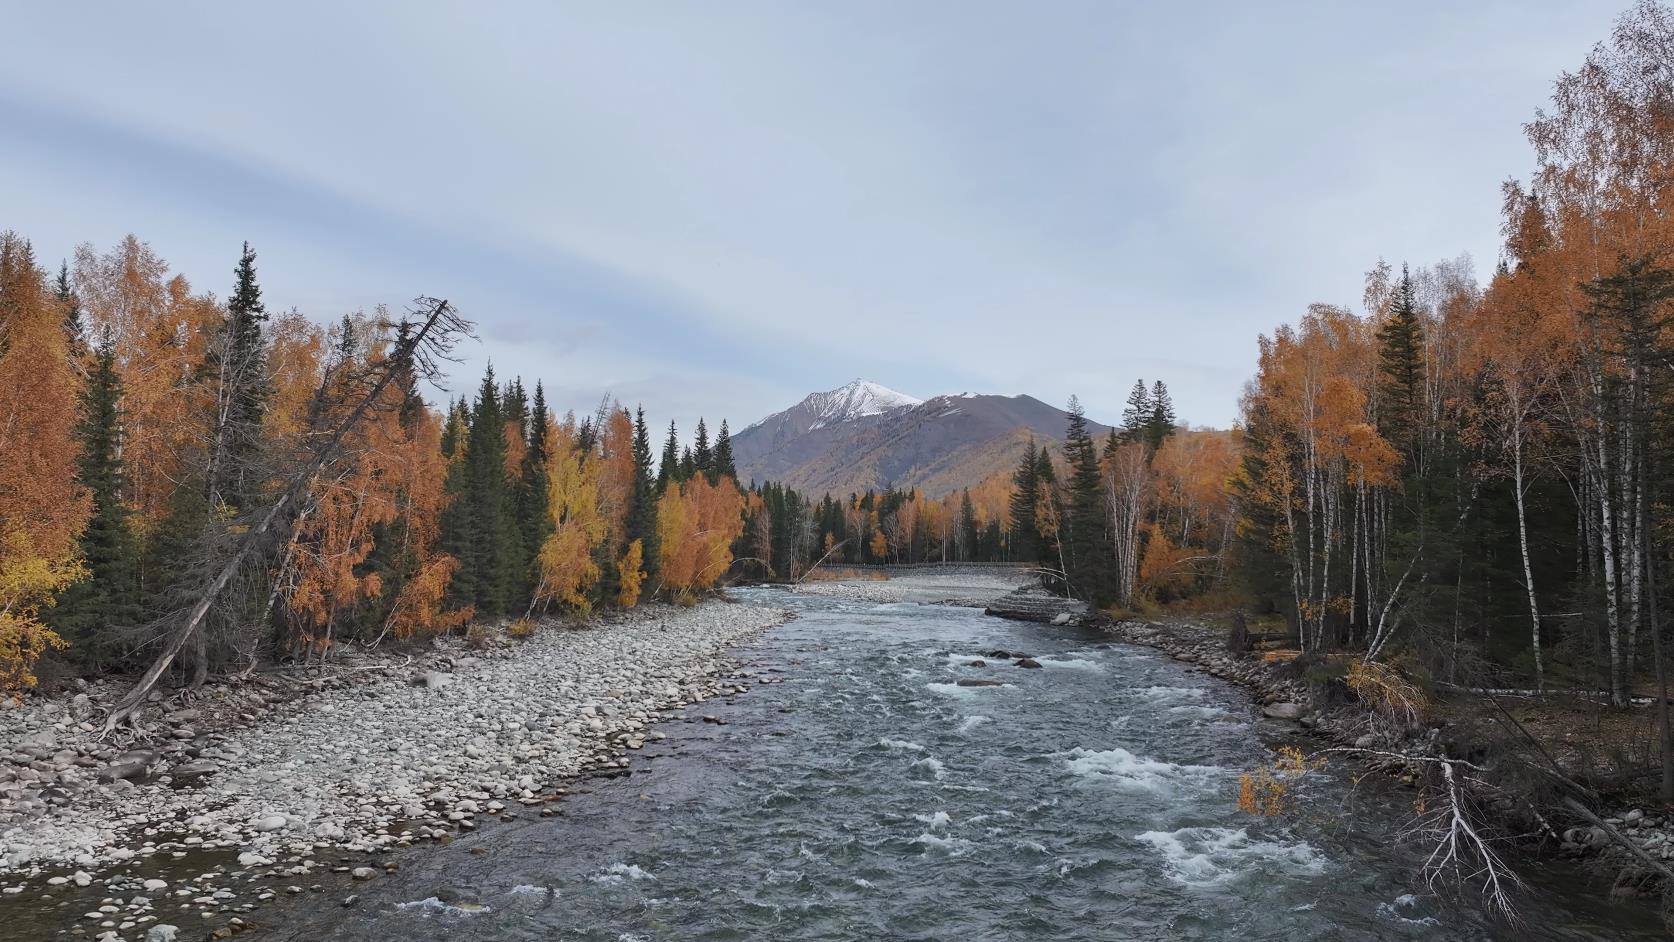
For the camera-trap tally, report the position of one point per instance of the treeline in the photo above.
(1472, 478)
(786, 532)
(216, 481)
(1141, 517)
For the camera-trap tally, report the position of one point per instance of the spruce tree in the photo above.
(688, 464)
(1140, 411)
(534, 502)
(1084, 520)
(487, 535)
(74, 329)
(1401, 367)
(668, 469)
(1025, 497)
(457, 527)
(641, 522)
(237, 367)
(109, 596)
(703, 459)
(723, 462)
(968, 524)
(1160, 424)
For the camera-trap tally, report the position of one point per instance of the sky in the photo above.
(716, 208)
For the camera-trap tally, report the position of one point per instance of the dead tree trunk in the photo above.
(418, 353)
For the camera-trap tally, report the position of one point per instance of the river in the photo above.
(868, 796)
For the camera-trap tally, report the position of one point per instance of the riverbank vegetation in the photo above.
(218, 482)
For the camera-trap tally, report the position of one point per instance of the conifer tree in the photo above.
(1160, 424)
(968, 525)
(237, 370)
(725, 467)
(1025, 497)
(703, 459)
(1401, 366)
(1084, 521)
(1140, 411)
(668, 469)
(109, 596)
(688, 464)
(641, 522)
(534, 513)
(74, 328)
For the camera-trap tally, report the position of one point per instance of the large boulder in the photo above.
(128, 765)
(1283, 711)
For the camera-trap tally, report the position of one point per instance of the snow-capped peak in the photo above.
(855, 400)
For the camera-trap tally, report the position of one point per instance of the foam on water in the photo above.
(954, 690)
(1130, 773)
(524, 889)
(934, 765)
(936, 821)
(1199, 711)
(1170, 693)
(972, 722)
(1399, 908)
(620, 872)
(1211, 856)
(900, 745)
(951, 846)
(1073, 663)
(431, 904)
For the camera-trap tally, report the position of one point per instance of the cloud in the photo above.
(715, 209)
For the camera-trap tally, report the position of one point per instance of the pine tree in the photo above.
(1159, 425)
(668, 469)
(641, 522)
(1137, 417)
(688, 464)
(1088, 565)
(109, 596)
(1401, 366)
(725, 467)
(703, 459)
(1025, 497)
(237, 369)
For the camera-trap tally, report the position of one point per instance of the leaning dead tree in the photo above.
(351, 389)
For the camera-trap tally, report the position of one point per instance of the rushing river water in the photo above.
(871, 797)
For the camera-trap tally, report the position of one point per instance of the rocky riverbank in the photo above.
(968, 588)
(374, 753)
(1351, 727)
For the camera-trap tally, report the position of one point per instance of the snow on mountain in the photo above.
(855, 400)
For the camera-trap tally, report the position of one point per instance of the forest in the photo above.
(192, 483)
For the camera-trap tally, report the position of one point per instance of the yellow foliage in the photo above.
(1387, 691)
(522, 628)
(631, 574)
(1268, 790)
(565, 562)
(696, 526)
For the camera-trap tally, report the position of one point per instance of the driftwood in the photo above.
(1618, 837)
(413, 354)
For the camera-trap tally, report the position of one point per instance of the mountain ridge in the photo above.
(856, 438)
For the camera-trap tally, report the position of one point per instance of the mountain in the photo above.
(864, 436)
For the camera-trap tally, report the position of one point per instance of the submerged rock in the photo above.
(977, 682)
(1027, 662)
